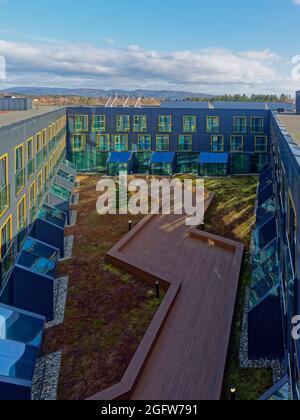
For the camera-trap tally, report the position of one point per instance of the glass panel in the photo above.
(240, 125)
(145, 143)
(123, 123)
(217, 144)
(189, 124)
(213, 124)
(239, 163)
(17, 360)
(162, 143)
(257, 124)
(165, 123)
(237, 144)
(140, 123)
(99, 123)
(103, 142)
(121, 143)
(185, 143)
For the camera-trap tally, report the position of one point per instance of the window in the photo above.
(162, 143)
(4, 188)
(123, 123)
(213, 124)
(39, 153)
(103, 142)
(121, 143)
(40, 188)
(79, 143)
(140, 123)
(261, 144)
(185, 143)
(257, 125)
(189, 124)
(46, 172)
(21, 221)
(99, 123)
(237, 144)
(5, 237)
(81, 122)
(45, 144)
(19, 169)
(32, 204)
(30, 161)
(240, 125)
(165, 123)
(217, 143)
(144, 143)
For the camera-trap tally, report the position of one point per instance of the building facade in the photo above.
(163, 141)
(36, 192)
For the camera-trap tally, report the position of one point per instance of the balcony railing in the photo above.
(45, 152)
(6, 264)
(30, 168)
(20, 180)
(32, 213)
(4, 198)
(39, 159)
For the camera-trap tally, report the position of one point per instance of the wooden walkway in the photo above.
(183, 355)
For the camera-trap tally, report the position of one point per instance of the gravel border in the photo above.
(75, 199)
(60, 299)
(279, 368)
(73, 218)
(69, 241)
(46, 378)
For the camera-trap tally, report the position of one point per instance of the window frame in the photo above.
(266, 144)
(127, 142)
(263, 125)
(235, 126)
(144, 129)
(118, 128)
(160, 150)
(10, 221)
(190, 148)
(243, 143)
(219, 126)
(223, 143)
(104, 122)
(6, 156)
(98, 142)
(195, 124)
(170, 123)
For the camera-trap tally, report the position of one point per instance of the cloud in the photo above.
(297, 2)
(82, 65)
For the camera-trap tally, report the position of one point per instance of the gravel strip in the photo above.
(75, 199)
(60, 298)
(46, 377)
(73, 218)
(69, 241)
(279, 368)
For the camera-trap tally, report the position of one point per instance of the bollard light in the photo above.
(129, 226)
(233, 394)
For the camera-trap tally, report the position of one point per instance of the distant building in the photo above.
(298, 102)
(15, 104)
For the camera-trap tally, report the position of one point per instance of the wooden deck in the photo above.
(183, 354)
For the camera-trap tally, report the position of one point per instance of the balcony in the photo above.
(32, 213)
(4, 199)
(6, 264)
(45, 152)
(20, 180)
(30, 168)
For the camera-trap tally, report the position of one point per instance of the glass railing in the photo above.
(39, 159)
(20, 180)
(45, 152)
(60, 192)
(21, 237)
(32, 213)
(30, 168)
(52, 215)
(40, 199)
(4, 198)
(6, 264)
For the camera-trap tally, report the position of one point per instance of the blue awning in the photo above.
(221, 158)
(119, 157)
(163, 157)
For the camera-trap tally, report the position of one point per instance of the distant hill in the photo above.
(92, 93)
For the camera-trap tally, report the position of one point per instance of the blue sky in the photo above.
(212, 46)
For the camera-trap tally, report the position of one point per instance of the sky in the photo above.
(209, 46)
